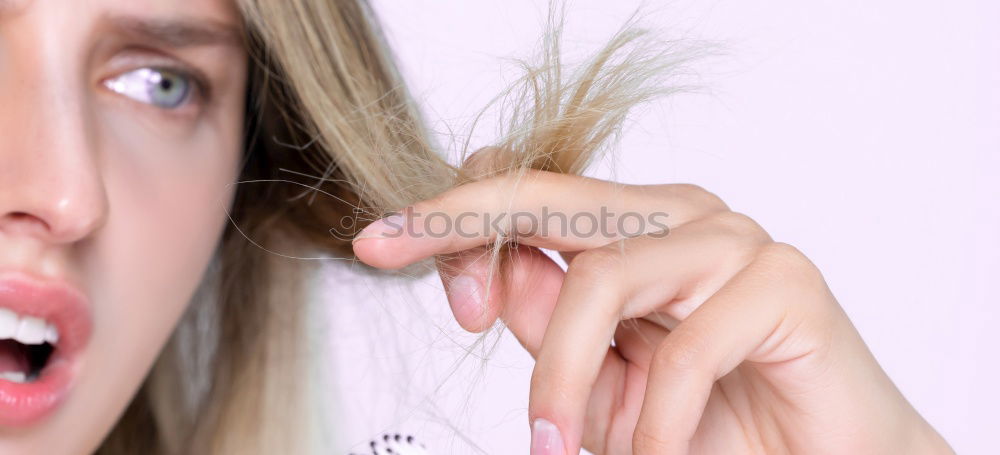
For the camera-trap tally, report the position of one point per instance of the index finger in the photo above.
(541, 209)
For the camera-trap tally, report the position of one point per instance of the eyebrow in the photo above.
(177, 32)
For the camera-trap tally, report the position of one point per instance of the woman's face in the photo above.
(120, 133)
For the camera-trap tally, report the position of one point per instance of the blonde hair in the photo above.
(322, 79)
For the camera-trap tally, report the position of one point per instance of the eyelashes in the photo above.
(160, 87)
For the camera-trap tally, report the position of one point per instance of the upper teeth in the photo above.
(26, 329)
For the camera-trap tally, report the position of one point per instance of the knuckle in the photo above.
(679, 352)
(647, 440)
(699, 195)
(784, 256)
(739, 224)
(598, 264)
(803, 288)
(786, 263)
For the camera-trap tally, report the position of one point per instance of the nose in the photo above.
(51, 186)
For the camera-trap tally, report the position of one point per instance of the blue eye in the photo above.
(162, 88)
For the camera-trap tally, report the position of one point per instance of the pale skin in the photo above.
(94, 204)
(118, 194)
(725, 341)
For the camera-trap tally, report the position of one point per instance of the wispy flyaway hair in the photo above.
(333, 134)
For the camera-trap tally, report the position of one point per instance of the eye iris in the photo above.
(168, 90)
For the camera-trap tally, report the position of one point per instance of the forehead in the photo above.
(223, 11)
(169, 23)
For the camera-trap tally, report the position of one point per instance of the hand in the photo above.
(712, 339)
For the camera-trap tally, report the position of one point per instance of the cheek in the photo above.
(168, 208)
(167, 198)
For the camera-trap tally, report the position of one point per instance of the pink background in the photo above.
(867, 133)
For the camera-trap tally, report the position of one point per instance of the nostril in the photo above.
(23, 221)
(24, 217)
(56, 217)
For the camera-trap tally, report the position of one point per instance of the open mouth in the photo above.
(44, 325)
(27, 344)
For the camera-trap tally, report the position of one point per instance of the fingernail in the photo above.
(545, 438)
(388, 227)
(467, 298)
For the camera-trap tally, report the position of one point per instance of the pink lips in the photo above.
(67, 309)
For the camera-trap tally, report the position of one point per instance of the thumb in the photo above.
(523, 294)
